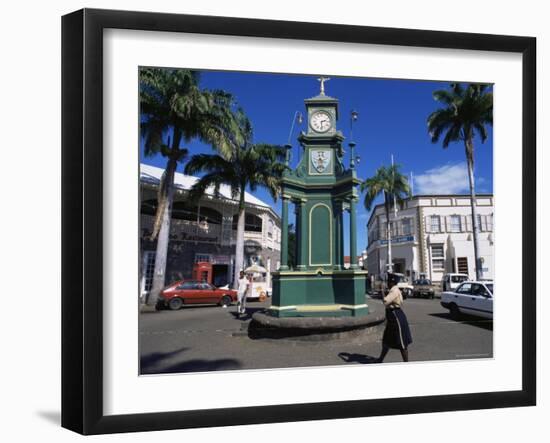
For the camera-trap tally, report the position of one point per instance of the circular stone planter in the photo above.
(263, 325)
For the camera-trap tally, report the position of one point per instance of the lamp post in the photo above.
(284, 212)
(352, 211)
(297, 118)
(353, 117)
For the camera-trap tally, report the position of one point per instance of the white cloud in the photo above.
(446, 179)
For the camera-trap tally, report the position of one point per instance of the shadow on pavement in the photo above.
(246, 316)
(357, 358)
(150, 360)
(483, 323)
(153, 364)
(199, 365)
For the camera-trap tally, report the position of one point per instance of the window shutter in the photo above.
(428, 223)
(469, 223)
(484, 221)
(463, 223)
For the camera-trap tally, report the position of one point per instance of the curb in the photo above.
(313, 328)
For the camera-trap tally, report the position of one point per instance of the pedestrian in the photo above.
(397, 334)
(242, 292)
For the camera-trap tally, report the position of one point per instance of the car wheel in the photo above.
(175, 304)
(225, 301)
(455, 312)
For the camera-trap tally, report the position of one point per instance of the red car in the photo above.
(191, 292)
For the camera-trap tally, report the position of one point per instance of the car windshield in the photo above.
(423, 282)
(490, 287)
(458, 278)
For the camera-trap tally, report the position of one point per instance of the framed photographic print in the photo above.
(279, 212)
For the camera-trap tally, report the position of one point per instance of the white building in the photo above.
(432, 235)
(206, 231)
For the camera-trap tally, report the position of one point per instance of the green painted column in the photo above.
(284, 235)
(302, 221)
(341, 234)
(352, 235)
(338, 245)
(297, 249)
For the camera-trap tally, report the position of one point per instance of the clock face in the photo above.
(320, 121)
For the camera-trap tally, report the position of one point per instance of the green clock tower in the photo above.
(321, 189)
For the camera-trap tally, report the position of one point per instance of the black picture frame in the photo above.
(82, 190)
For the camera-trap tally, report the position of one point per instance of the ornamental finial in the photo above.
(323, 80)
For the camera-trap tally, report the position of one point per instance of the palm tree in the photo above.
(248, 166)
(467, 111)
(173, 110)
(394, 186)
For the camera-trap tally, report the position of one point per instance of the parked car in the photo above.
(471, 297)
(451, 281)
(189, 292)
(423, 288)
(404, 286)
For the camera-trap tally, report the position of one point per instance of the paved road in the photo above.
(211, 338)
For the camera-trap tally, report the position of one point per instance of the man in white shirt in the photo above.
(242, 292)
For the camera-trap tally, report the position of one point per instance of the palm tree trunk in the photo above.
(159, 275)
(161, 207)
(475, 227)
(239, 246)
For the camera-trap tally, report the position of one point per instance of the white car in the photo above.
(471, 297)
(404, 286)
(451, 281)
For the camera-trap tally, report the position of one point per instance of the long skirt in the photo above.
(397, 334)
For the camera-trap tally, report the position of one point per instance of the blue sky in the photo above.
(392, 120)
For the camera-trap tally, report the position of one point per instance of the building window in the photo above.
(252, 223)
(462, 264)
(203, 258)
(149, 270)
(270, 229)
(435, 222)
(406, 226)
(393, 230)
(455, 223)
(438, 257)
(479, 225)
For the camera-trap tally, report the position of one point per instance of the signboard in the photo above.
(220, 260)
(402, 239)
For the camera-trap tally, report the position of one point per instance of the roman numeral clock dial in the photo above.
(320, 121)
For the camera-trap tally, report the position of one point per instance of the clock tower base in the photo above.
(339, 293)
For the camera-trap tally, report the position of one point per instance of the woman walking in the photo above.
(397, 334)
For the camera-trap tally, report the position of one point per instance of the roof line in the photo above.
(425, 196)
(264, 206)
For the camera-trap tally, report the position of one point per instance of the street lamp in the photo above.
(354, 115)
(297, 118)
